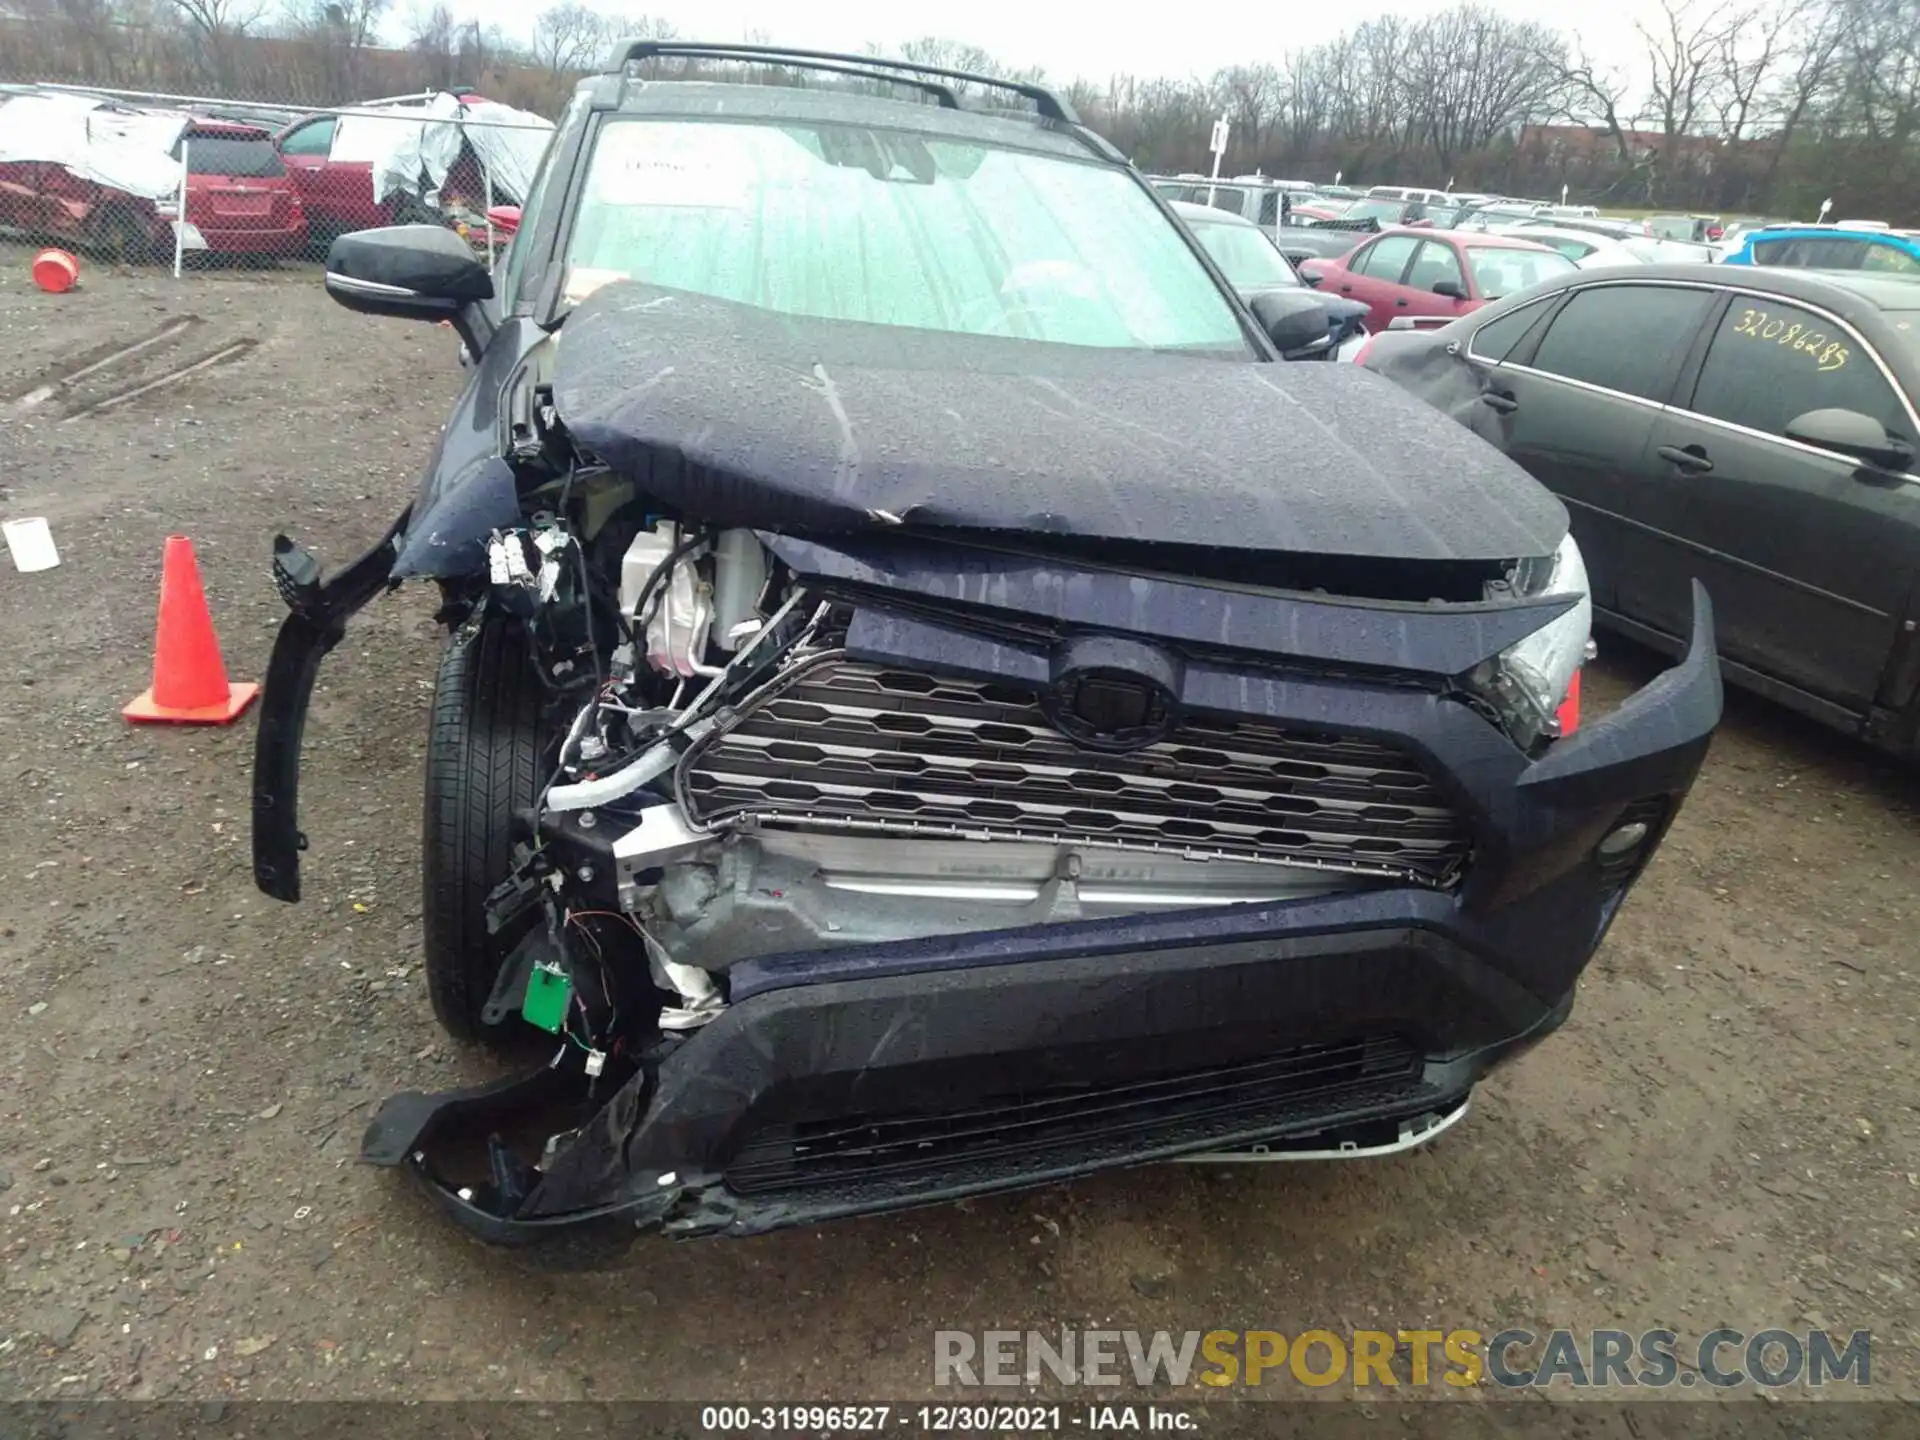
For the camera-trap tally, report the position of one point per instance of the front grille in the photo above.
(840, 745)
(1010, 1132)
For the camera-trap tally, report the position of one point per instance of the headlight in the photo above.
(1528, 681)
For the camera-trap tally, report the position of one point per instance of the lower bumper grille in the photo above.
(1025, 1129)
(839, 745)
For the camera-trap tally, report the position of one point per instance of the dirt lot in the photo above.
(1724, 1134)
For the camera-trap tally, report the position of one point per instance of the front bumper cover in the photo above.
(872, 1078)
(875, 1077)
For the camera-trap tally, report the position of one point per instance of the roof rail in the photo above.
(1049, 104)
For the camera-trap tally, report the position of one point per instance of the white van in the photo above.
(1408, 192)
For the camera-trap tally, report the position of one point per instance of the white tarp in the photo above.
(411, 146)
(510, 144)
(123, 150)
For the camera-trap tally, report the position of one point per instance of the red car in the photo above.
(339, 193)
(1438, 273)
(238, 198)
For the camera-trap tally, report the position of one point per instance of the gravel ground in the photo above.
(1724, 1134)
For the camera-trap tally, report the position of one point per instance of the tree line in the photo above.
(1760, 106)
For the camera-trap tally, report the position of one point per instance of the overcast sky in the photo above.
(1093, 41)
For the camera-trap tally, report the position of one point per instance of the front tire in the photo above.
(483, 765)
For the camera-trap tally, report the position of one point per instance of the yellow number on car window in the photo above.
(1826, 354)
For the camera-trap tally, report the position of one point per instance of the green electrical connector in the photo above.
(549, 991)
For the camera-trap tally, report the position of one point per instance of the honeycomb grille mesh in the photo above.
(845, 746)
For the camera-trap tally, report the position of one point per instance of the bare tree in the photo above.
(215, 25)
(332, 39)
(1250, 97)
(568, 38)
(1596, 95)
(1813, 52)
(1684, 76)
(1473, 76)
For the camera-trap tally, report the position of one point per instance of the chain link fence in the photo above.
(193, 183)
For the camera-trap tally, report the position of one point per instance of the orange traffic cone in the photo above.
(189, 681)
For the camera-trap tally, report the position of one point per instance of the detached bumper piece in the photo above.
(317, 622)
(873, 1077)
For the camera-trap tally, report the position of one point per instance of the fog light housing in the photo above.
(1621, 841)
(1624, 847)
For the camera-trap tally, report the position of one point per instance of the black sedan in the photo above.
(1753, 428)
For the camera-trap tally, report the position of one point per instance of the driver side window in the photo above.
(1435, 263)
(1386, 258)
(1770, 362)
(313, 139)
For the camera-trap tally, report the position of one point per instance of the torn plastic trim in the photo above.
(701, 999)
(409, 1126)
(317, 622)
(1393, 637)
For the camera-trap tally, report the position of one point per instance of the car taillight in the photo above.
(1360, 355)
(1569, 712)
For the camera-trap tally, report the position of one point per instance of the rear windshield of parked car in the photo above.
(1246, 257)
(227, 155)
(1375, 210)
(844, 222)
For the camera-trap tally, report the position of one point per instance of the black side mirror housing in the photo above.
(1452, 289)
(1292, 320)
(1848, 432)
(413, 272)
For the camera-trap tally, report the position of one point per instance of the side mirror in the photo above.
(1848, 432)
(1292, 320)
(414, 272)
(1452, 289)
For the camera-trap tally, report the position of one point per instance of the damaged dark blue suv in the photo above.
(934, 703)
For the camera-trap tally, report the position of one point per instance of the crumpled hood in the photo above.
(741, 416)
